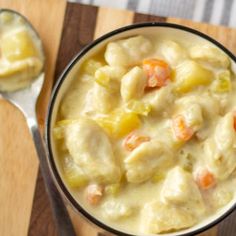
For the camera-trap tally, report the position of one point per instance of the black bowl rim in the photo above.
(57, 87)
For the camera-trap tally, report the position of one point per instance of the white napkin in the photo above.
(213, 11)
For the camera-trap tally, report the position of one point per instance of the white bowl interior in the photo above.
(172, 33)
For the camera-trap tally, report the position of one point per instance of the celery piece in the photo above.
(223, 83)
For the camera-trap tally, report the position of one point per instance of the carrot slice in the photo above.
(181, 130)
(94, 193)
(205, 179)
(133, 140)
(158, 72)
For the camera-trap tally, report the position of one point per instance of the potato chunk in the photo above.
(220, 150)
(145, 160)
(133, 84)
(159, 217)
(210, 54)
(179, 188)
(92, 151)
(119, 123)
(18, 45)
(127, 52)
(190, 74)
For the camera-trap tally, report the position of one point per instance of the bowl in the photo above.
(174, 30)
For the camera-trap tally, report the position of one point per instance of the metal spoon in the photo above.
(25, 99)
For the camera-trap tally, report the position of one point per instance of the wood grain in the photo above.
(109, 19)
(139, 18)
(78, 31)
(18, 160)
(224, 35)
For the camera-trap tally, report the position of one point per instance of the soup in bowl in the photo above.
(141, 131)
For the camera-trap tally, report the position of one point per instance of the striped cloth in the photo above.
(219, 12)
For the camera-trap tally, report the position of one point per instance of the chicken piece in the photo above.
(91, 149)
(210, 54)
(145, 160)
(127, 52)
(159, 217)
(220, 150)
(173, 52)
(179, 188)
(133, 84)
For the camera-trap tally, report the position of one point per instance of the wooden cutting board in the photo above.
(65, 29)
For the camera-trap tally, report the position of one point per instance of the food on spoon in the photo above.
(21, 57)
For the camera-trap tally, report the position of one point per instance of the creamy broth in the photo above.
(21, 57)
(145, 135)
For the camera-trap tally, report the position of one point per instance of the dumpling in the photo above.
(159, 217)
(193, 116)
(91, 149)
(210, 54)
(99, 99)
(210, 106)
(133, 84)
(113, 72)
(160, 99)
(173, 52)
(179, 188)
(220, 150)
(145, 160)
(225, 136)
(179, 206)
(127, 52)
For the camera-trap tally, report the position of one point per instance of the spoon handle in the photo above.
(61, 217)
